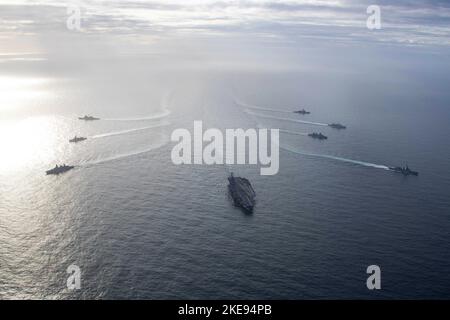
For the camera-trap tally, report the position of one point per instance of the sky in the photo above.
(213, 28)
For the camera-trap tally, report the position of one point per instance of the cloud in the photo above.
(412, 22)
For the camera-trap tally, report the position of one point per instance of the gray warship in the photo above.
(59, 169)
(319, 136)
(337, 126)
(77, 139)
(242, 193)
(406, 171)
(303, 111)
(88, 118)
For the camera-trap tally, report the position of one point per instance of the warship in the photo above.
(316, 135)
(303, 111)
(59, 169)
(406, 171)
(337, 126)
(242, 193)
(88, 118)
(77, 139)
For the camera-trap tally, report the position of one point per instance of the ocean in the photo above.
(140, 227)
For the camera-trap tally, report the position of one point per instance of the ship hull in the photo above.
(242, 193)
(404, 172)
(59, 171)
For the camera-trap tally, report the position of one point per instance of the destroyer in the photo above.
(406, 171)
(303, 111)
(319, 136)
(77, 139)
(88, 118)
(59, 169)
(242, 193)
(337, 126)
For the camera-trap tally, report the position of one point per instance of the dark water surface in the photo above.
(140, 227)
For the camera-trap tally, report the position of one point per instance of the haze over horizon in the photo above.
(251, 31)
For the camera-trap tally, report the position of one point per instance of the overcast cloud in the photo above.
(275, 30)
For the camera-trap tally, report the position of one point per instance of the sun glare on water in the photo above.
(20, 92)
(29, 141)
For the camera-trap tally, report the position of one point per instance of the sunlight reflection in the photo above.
(18, 92)
(27, 143)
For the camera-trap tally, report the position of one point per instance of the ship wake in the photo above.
(357, 162)
(122, 132)
(294, 132)
(259, 115)
(250, 106)
(124, 155)
(260, 126)
(160, 115)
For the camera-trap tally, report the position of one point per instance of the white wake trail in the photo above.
(116, 133)
(260, 126)
(284, 119)
(124, 155)
(249, 106)
(161, 115)
(294, 132)
(362, 163)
